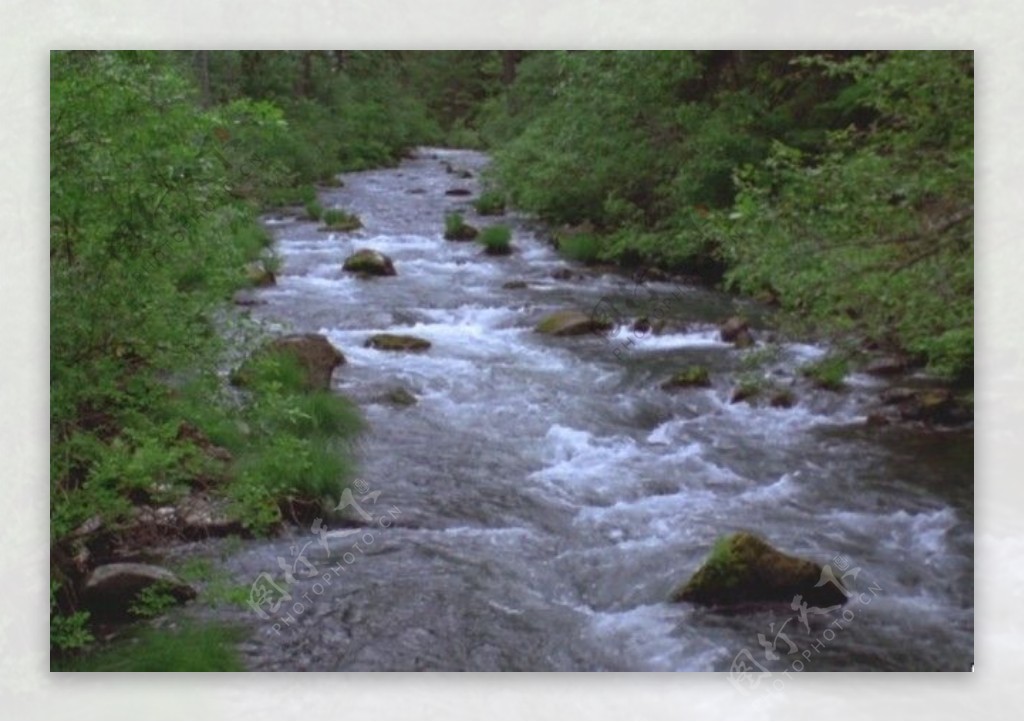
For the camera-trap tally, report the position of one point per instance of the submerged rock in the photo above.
(572, 323)
(110, 590)
(744, 569)
(399, 397)
(562, 274)
(514, 285)
(396, 342)
(458, 192)
(370, 262)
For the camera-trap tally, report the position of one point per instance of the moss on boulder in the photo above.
(572, 323)
(396, 342)
(743, 569)
(370, 262)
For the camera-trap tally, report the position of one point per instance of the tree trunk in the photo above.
(509, 60)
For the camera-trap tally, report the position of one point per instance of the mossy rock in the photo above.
(744, 569)
(370, 262)
(314, 355)
(463, 232)
(344, 225)
(690, 377)
(572, 323)
(396, 342)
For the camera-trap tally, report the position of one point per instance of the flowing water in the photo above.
(535, 508)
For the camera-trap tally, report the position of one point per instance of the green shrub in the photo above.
(583, 247)
(68, 632)
(153, 601)
(314, 211)
(490, 203)
(496, 240)
(828, 373)
(456, 228)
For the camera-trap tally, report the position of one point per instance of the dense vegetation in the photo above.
(837, 185)
(159, 166)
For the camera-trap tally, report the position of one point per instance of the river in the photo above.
(536, 507)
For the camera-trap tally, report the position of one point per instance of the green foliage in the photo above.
(216, 587)
(68, 632)
(828, 373)
(189, 649)
(153, 223)
(298, 446)
(496, 240)
(153, 601)
(314, 210)
(583, 247)
(490, 203)
(874, 234)
(840, 183)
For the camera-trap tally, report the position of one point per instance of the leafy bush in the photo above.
(456, 228)
(496, 240)
(68, 632)
(153, 601)
(828, 373)
(314, 211)
(583, 247)
(490, 203)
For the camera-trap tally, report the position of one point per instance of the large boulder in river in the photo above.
(744, 569)
(572, 323)
(370, 262)
(397, 342)
(312, 351)
(111, 590)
